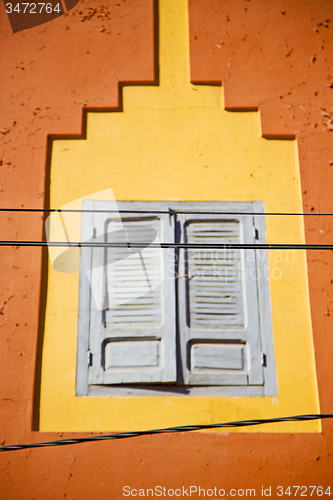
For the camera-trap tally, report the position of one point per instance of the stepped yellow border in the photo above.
(176, 141)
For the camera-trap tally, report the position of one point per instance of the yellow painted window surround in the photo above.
(175, 141)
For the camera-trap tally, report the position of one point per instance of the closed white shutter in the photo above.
(218, 310)
(132, 311)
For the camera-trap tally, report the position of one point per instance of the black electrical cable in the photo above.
(181, 428)
(167, 212)
(199, 246)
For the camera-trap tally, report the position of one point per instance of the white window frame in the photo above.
(262, 348)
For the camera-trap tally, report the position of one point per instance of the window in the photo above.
(188, 320)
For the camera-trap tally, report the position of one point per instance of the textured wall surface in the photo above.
(272, 57)
(175, 141)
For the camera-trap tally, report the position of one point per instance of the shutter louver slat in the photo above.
(218, 279)
(126, 278)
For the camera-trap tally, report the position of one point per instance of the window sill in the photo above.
(178, 391)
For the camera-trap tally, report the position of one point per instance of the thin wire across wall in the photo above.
(200, 246)
(80, 244)
(167, 212)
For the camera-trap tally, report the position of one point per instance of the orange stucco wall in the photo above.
(270, 56)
